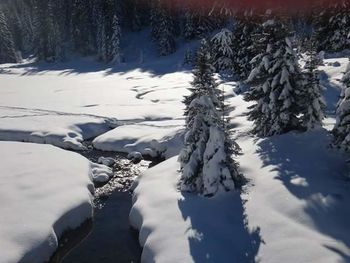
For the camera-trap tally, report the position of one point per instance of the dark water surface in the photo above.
(108, 237)
(111, 238)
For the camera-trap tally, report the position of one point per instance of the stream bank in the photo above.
(108, 237)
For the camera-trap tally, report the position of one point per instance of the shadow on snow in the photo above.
(314, 173)
(219, 232)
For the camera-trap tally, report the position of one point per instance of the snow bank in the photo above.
(44, 191)
(177, 227)
(152, 137)
(40, 126)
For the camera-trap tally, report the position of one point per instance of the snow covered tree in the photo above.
(188, 31)
(311, 102)
(275, 82)
(7, 46)
(203, 77)
(206, 160)
(207, 168)
(245, 43)
(332, 26)
(341, 129)
(222, 50)
(115, 51)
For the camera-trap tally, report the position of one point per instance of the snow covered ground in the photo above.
(44, 191)
(294, 208)
(65, 104)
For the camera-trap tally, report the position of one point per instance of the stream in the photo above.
(108, 237)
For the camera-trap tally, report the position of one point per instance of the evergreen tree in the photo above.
(7, 47)
(155, 19)
(81, 26)
(222, 48)
(275, 82)
(136, 23)
(341, 130)
(166, 40)
(115, 53)
(189, 31)
(101, 40)
(206, 160)
(246, 43)
(311, 102)
(332, 26)
(188, 58)
(206, 166)
(203, 77)
(46, 31)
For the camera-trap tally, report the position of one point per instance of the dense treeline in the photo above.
(52, 28)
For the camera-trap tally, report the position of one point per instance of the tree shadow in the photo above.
(219, 231)
(314, 173)
(331, 93)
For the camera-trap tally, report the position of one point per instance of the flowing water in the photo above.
(108, 237)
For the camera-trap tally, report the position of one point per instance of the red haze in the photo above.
(237, 5)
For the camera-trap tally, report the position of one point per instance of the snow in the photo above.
(293, 209)
(41, 126)
(148, 138)
(297, 194)
(108, 161)
(67, 103)
(177, 227)
(44, 191)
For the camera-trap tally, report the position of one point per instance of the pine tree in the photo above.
(246, 44)
(206, 166)
(311, 102)
(115, 51)
(275, 82)
(155, 19)
(222, 48)
(7, 47)
(206, 160)
(341, 129)
(166, 40)
(101, 41)
(188, 58)
(332, 26)
(136, 23)
(203, 77)
(46, 31)
(189, 31)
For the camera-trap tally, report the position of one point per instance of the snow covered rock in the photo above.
(44, 191)
(101, 173)
(136, 157)
(108, 161)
